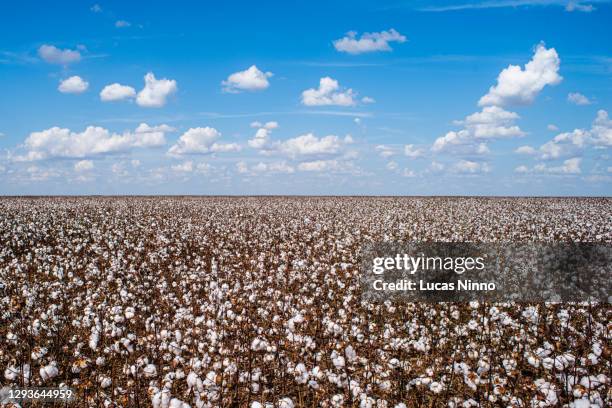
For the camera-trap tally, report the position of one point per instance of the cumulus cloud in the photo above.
(201, 141)
(83, 165)
(385, 151)
(54, 55)
(491, 123)
(525, 150)
(261, 140)
(392, 165)
(578, 99)
(74, 84)
(470, 167)
(185, 167)
(274, 167)
(94, 140)
(569, 166)
(368, 42)
(331, 166)
(251, 79)
(552, 127)
(411, 151)
(122, 24)
(521, 169)
(572, 143)
(96, 8)
(117, 92)
(303, 145)
(602, 129)
(329, 93)
(408, 173)
(574, 5)
(155, 91)
(310, 145)
(516, 85)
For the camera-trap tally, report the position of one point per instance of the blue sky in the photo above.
(401, 97)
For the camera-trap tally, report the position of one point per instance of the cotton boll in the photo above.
(286, 403)
(49, 371)
(150, 371)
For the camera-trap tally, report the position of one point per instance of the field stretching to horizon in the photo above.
(255, 302)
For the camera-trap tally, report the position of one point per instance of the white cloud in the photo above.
(261, 140)
(63, 143)
(368, 42)
(578, 99)
(117, 92)
(96, 8)
(521, 169)
(310, 145)
(201, 141)
(251, 79)
(328, 93)
(392, 165)
(411, 151)
(203, 168)
(54, 55)
(185, 167)
(470, 167)
(303, 145)
(491, 123)
(602, 129)
(436, 167)
(385, 151)
(552, 127)
(337, 166)
(575, 5)
(570, 166)
(83, 165)
(571, 144)
(520, 86)
(155, 91)
(274, 167)
(408, 173)
(122, 24)
(242, 168)
(367, 99)
(525, 150)
(74, 84)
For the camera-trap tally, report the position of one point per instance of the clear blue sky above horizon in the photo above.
(399, 97)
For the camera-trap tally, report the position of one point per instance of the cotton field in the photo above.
(255, 302)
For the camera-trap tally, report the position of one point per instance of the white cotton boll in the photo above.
(337, 400)
(94, 338)
(11, 337)
(38, 353)
(256, 404)
(548, 363)
(192, 380)
(350, 353)
(129, 313)
(150, 371)
(105, 382)
(436, 387)
(286, 403)
(401, 405)
(49, 371)
(580, 403)
(176, 403)
(11, 373)
(338, 360)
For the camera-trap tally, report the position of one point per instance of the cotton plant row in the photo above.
(256, 302)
